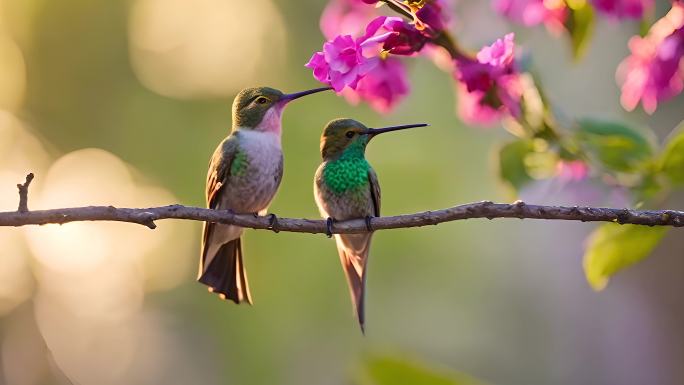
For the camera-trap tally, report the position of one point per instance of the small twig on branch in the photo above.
(23, 194)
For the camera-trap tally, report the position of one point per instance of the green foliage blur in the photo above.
(504, 301)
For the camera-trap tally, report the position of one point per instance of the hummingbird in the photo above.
(244, 174)
(346, 187)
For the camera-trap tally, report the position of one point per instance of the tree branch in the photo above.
(485, 209)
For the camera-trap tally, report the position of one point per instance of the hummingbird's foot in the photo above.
(368, 223)
(273, 223)
(255, 214)
(328, 227)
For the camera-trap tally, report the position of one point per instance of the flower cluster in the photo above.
(369, 68)
(363, 65)
(369, 64)
(364, 68)
(489, 84)
(654, 71)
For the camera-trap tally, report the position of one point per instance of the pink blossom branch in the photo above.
(485, 209)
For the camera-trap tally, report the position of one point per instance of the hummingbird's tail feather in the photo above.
(353, 250)
(226, 274)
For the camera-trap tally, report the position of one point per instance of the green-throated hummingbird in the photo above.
(346, 187)
(244, 175)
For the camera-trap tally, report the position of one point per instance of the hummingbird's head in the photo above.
(261, 108)
(341, 134)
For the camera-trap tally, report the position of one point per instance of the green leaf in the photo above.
(612, 247)
(580, 25)
(617, 146)
(649, 187)
(511, 163)
(389, 370)
(672, 158)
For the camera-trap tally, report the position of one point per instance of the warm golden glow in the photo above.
(16, 283)
(96, 177)
(12, 74)
(92, 276)
(200, 48)
(19, 151)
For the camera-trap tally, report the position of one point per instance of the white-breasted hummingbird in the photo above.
(346, 187)
(244, 174)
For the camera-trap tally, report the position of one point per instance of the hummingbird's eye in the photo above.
(262, 100)
(349, 134)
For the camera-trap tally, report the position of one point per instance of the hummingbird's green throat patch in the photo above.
(349, 172)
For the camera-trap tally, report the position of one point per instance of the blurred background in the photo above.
(123, 102)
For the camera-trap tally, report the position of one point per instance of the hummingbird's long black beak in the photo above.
(375, 131)
(297, 95)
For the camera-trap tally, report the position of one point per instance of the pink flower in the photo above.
(654, 72)
(344, 61)
(383, 87)
(405, 39)
(491, 62)
(551, 13)
(490, 85)
(340, 64)
(345, 17)
(572, 170)
(499, 54)
(623, 9)
(432, 16)
(321, 69)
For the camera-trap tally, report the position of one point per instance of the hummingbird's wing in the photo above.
(217, 177)
(375, 191)
(219, 168)
(221, 266)
(353, 250)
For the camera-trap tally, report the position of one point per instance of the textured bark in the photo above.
(484, 209)
(489, 210)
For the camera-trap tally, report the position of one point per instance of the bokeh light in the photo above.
(16, 282)
(205, 48)
(19, 151)
(12, 74)
(92, 277)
